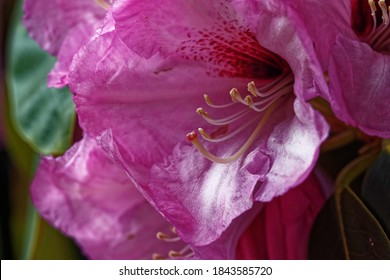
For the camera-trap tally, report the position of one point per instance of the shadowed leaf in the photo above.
(352, 222)
(376, 190)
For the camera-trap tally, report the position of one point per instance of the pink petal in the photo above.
(282, 229)
(80, 35)
(293, 149)
(360, 86)
(205, 33)
(281, 27)
(225, 247)
(50, 22)
(86, 196)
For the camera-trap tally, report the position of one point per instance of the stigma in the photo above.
(249, 113)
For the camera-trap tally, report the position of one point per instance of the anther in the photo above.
(103, 4)
(208, 100)
(249, 100)
(174, 254)
(202, 112)
(165, 237)
(204, 134)
(252, 88)
(385, 16)
(372, 7)
(235, 95)
(157, 256)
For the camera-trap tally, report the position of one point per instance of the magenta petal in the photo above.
(89, 198)
(110, 72)
(288, 220)
(50, 22)
(80, 35)
(225, 247)
(280, 27)
(282, 228)
(358, 80)
(202, 33)
(163, 28)
(293, 149)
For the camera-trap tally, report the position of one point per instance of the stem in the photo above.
(339, 140)
(31, 235)
(34, 223)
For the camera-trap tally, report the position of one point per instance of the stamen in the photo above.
(223, 121)
(281, 92)
(372, 5)
(184, 253)
(102, 3)
(249, 100)
(385, 16)
(174, 254)
(165, 237)
(213, 105)
(271, 88)
(378, 38)
(255, 92)
(235, 95)
(157, 256)
(209, 138)
(194, 140)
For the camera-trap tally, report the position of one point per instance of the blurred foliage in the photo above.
(43, 116)
(29, 106)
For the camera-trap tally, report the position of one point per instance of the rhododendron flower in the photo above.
(354, 48)
(144, 80)
(61, 28)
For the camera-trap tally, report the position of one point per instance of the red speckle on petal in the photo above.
(230, 51)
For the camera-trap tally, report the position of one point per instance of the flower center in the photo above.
(379, 37)
(261, 101)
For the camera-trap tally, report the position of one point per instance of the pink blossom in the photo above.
(143, 81)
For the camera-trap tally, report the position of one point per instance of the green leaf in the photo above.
(376, 190)
(345, 229)
(43, 116)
